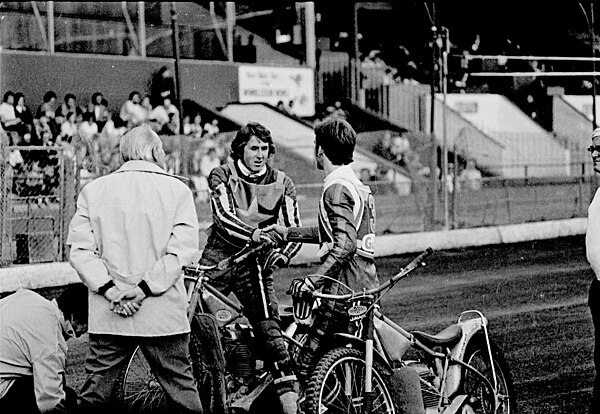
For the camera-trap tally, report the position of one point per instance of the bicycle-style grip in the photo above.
(419, 259)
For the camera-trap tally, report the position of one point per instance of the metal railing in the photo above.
(36, 204)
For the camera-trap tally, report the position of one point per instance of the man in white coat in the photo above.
(133, 231)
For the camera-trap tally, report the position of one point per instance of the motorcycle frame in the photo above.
(450, 360)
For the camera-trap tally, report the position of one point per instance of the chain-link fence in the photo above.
(37, 194)
(39, 188)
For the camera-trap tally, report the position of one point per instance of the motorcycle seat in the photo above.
(448, 337)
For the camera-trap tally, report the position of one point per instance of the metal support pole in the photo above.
(594, 120)
(356, 49)
(50, 20)
(175, 38)
(593, 43)
(230, 10)
(433, 158)
(142, 28)
(445, 51)
(309, 29)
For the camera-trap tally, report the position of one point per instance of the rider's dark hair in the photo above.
(245, 134)
(337, 138)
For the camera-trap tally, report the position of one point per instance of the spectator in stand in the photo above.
(44, 131)
(281, 107)
(132, 113)
(290, 108)
(48, 106)
(145, 104)
(383, 148)
(211, 129)
(23, 112)
(208, 161)
(88, 129)
(338, 111)
(108, 144)
(98, 109)
(470, 178)
(163, 86)
(197, 126)
(8, 118)
(113, 130)
(172, 127)
(69, 105)
(68, 128)
(187, 126)
(400, 148)
(160, 114)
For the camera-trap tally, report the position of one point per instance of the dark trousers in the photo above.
(168, 357)
(594, 304)
(254, 288)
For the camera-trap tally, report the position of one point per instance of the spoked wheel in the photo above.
(481, 400)
(138, 390)
(337, 385)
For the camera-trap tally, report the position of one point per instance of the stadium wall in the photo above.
(210, 83)
(60, 274)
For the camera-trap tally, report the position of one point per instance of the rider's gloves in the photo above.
(299, 286)
(276, 238)
(271, 238)
(276, 259)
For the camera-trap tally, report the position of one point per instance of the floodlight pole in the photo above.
(445, 51)
(175, 38)
(433, 159)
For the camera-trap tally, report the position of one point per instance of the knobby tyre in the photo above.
(337, 385)
(480, 399)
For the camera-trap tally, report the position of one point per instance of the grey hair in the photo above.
(142, 143)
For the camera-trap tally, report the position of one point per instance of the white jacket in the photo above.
(138, 223)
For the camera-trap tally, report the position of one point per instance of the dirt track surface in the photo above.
(533, 293)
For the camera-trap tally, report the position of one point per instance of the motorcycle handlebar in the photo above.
(248, 250)
(414, 264)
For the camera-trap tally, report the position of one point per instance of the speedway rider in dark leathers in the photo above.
(246, 196)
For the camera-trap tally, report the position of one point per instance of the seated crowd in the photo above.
(89, 135)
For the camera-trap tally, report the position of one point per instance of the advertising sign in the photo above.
(294, 87)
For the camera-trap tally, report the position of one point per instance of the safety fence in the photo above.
(39, 187)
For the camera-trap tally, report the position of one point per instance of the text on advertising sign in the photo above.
(274, 84)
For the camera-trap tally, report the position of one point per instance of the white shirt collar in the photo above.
(249, 173)
(344, 171)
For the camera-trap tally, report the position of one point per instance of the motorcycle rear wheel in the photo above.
(481, 400)
(337, 385)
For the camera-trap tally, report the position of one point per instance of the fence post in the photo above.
(5, 234)
(507, 200)
(580, 188)
(70, 190)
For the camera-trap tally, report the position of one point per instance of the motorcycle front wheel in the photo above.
(337, 385)
(481, 400)
(138, 391)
